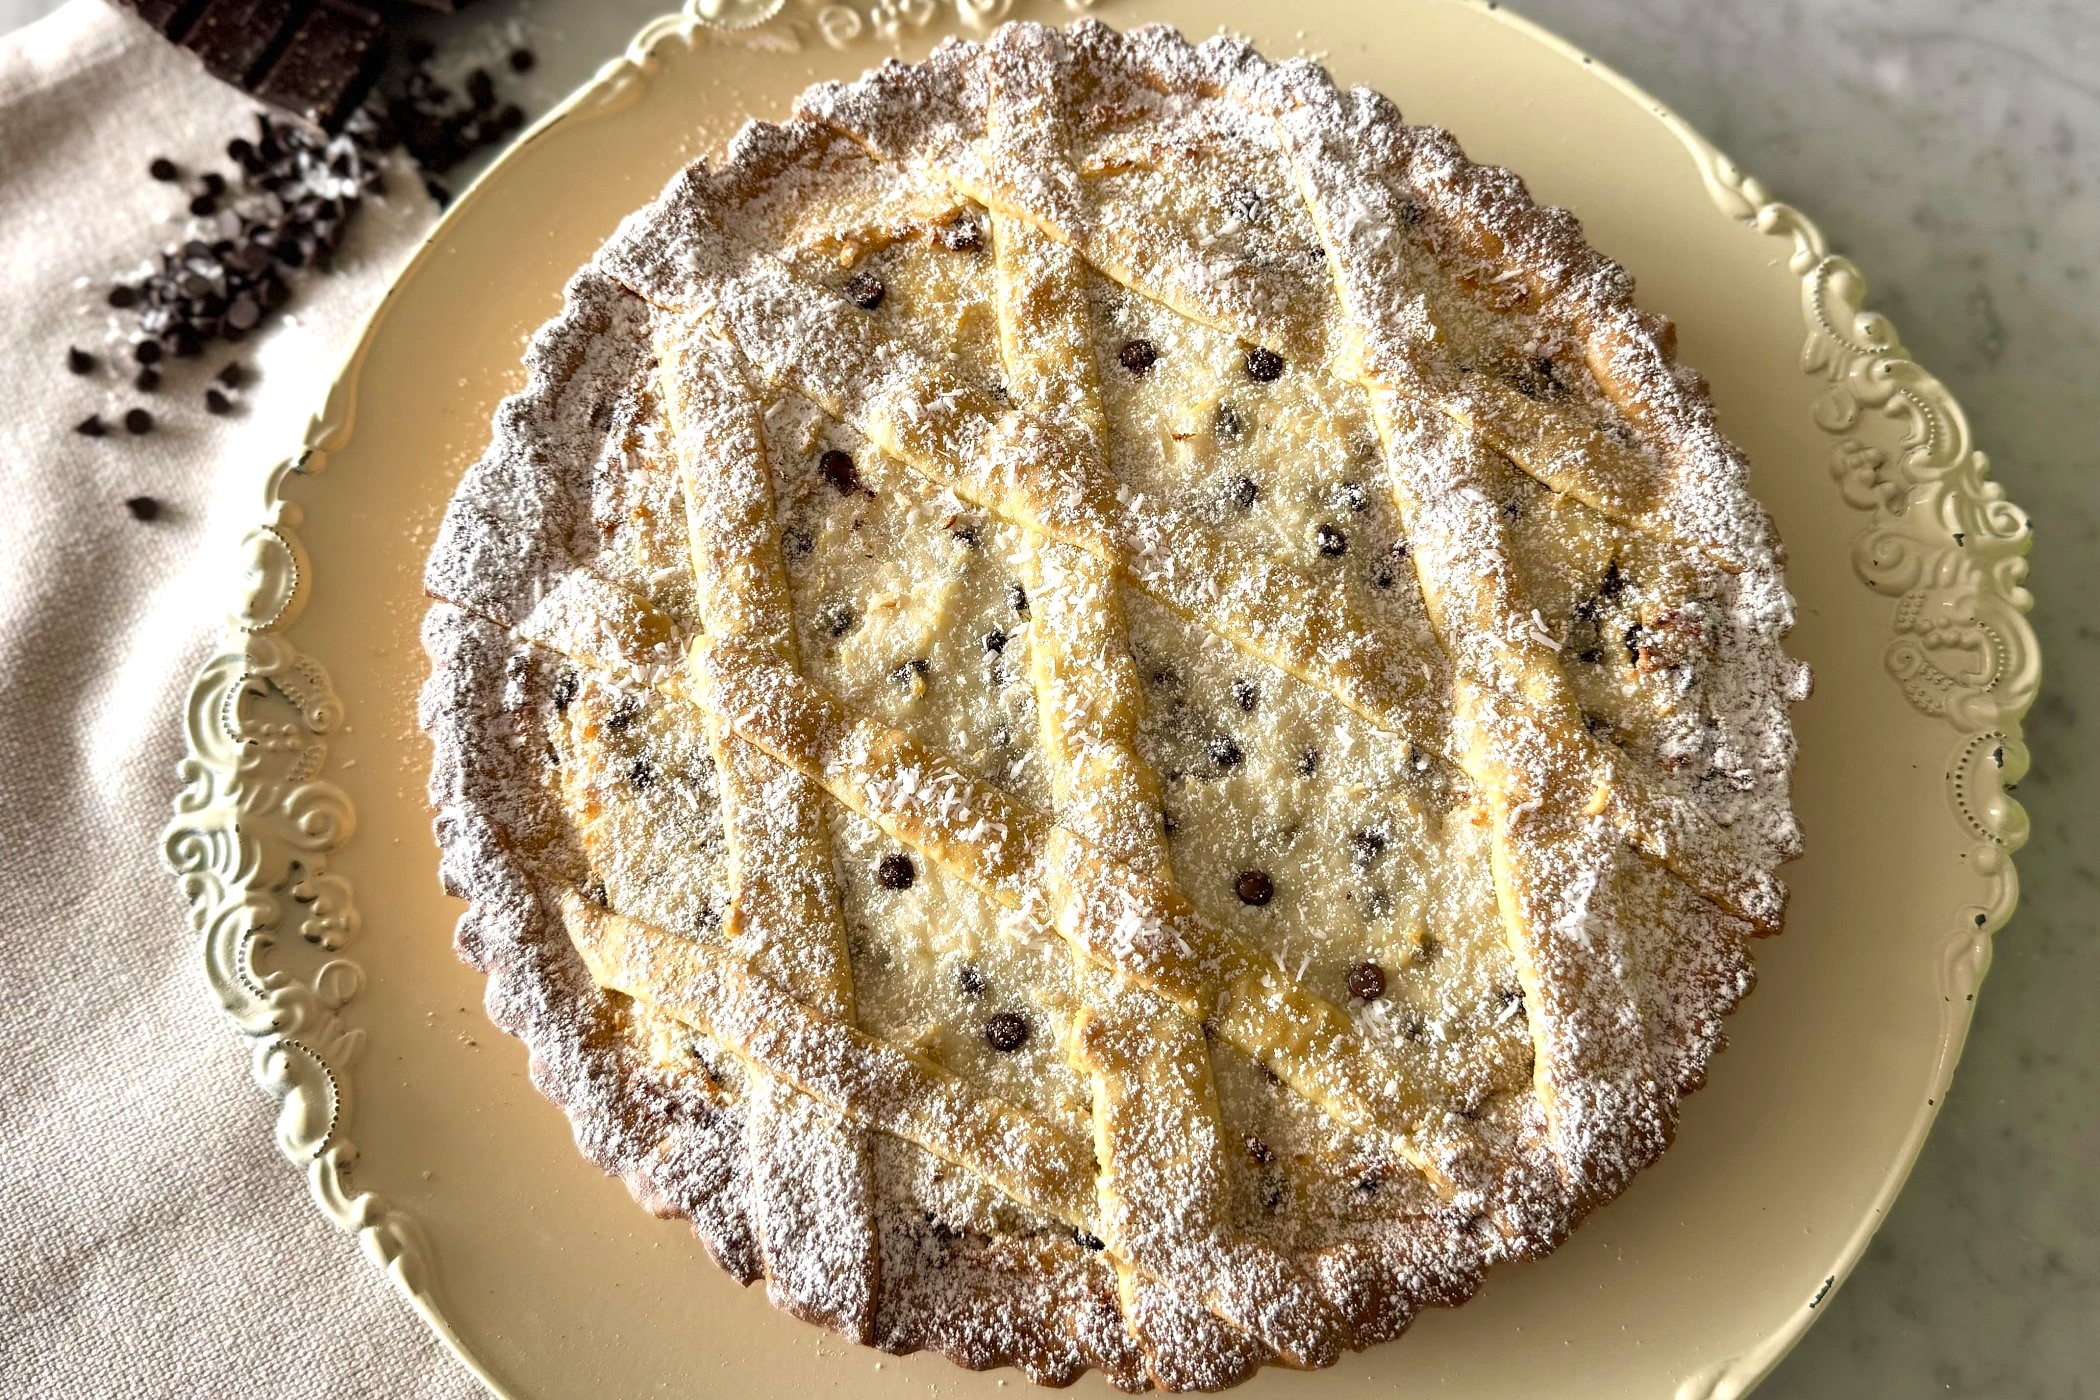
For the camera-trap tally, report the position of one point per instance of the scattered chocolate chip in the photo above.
(147, 352)
(1006, 1032)
(233, 374)
(480, 89)
(1367, 845)
(1332, 542)
(1369, 1182)
(865, 290)
(1308, 763)
(216, 403)
(1086, 1239)
(969, 980)
(625, 712)
(1224, 752)
(1259, 1150)
(994, 642)
(895, 871)
(1263, 365)
(1227, 423)
(522, 60)
(204, 205)
(1590, 656)
(143, 508)
(565, 687)
(1254, 887)
(1017, 599)
(1138, 356)
(147, 380)
(80, 361)
(92, 426)
(839, 470)
(642, 773)
(123, 297)
(137, 421)
(1366, 981)
(836, 619)
(1242, 492)
(162, 169)
(1245, 693)
(1513, 509)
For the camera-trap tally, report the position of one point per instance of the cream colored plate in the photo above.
(332, 948)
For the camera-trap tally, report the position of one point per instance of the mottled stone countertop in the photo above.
(1951, 148)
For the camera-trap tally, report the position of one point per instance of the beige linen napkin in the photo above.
(152, 1242)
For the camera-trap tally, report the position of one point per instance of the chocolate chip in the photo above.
(625, 712)
(1138, 356)
(92, 426)
(962, 236)
(1274, 1191)
(523, 60)
(1259, 1150)
(1224, 752)
(216, 403)
(480, 89)
(79, 361)
(1590, 656)
(594, 892)
(243, 313)
(1427, 948)
(969, 980)
(137, 421)
(1017, 599)
(1006, 1032)
(1227, 423)
(147, 380)
(1254, 887)
(1085, 1239)
(1308, 763)
(1332, 542)
(147, 352)
(994, 642)
(895, 871)
(910, 671)
(1366, 981)
(162, 169)
(123, 297)
(964, 535)
(1350, 497)
(204, 205)
(865, 290)
(565, 687)
(1614, 582)
(1246, 694)
(1632, 641)
(1242, 492)
(143, 508)
(836, 619)
(839, 470)
(1264, 366)
(213, 183)
(1367, 846)
(642, 773)
(796, 541)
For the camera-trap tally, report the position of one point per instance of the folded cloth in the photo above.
(154, 1242)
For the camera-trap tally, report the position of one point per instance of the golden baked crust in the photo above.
(1107, 710)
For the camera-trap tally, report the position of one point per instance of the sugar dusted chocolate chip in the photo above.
(1333, 544)
(1367, 845)
(143, 508)
(1245, 693)
(911, 672)
(1259, 1150)
(1613, 584)
(137, 422)
(964, 235)
(796, 541)
(1254, 887)
(1243, 492)
(1224, 752)
(1138, 356)
(162, 169)
(969, 980)
(565, 687)
(1087, 1239)
(1017, 599)
(1006, 1032)
(92, 426)
(839, 470)
(994, 642)
(964, 535)
(836, 618)
(147, 380)
(1263, 366)
(1275, 1191)
(522, 60)
(1228, 424)
(1308, 762)
(865, 290)
(80, 361)
(895, 871)
(625, 711)
(642, 774)
(594, 892)
(1350, 497)
(216, 403)
(1245, 204)
(1366, 981)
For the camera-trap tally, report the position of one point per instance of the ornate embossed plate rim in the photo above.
(256, 821)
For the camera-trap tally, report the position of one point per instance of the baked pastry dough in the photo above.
(1107, 710)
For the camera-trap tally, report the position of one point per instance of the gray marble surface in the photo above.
(1952, 147)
